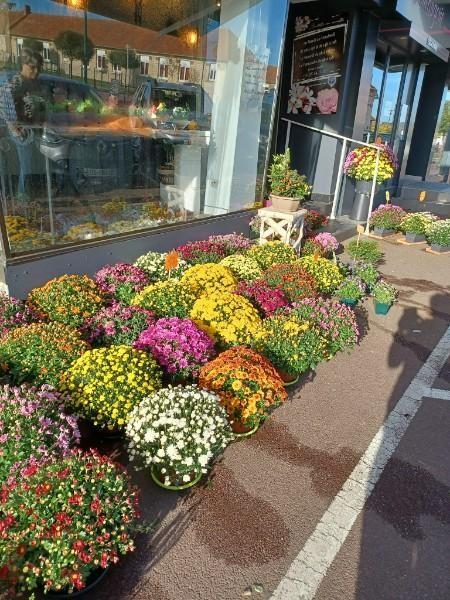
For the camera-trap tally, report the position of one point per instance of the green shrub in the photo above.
(366, 250)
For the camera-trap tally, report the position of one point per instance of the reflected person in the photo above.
(23, 108)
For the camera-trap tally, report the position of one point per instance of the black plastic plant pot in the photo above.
(92, 582)
(414, 238)
(440, 249)
(382, 232)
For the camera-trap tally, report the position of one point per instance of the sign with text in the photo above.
(317, 63)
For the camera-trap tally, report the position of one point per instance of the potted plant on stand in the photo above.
(415, 226)
(360, 165)
(386, 219)
(384, 295)
(438, 235)
(287, 186)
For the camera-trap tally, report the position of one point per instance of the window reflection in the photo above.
(108, 126)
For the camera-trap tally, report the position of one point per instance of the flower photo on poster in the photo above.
(317, 62)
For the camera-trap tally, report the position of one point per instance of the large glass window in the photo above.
(132, 123)
(439, 165)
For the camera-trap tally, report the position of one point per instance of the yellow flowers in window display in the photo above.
(169, 298)
(243, 267)
(272, 253)
(325, 272)
(208, 278)
(228, 318)
(105, 384)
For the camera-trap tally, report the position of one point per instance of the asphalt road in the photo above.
(238, 534)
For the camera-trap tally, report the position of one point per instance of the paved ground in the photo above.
(238, 535)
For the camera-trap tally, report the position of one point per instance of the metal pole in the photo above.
(372, 192)
(340, 175)
(288, 136)
(85, 42)
(50, 198)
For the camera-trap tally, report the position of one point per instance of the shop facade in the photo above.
(125, 128)
(368, 72)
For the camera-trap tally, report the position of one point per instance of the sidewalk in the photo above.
(237, 536)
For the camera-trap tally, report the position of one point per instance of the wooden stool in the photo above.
(282, 225)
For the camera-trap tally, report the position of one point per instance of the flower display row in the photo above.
(417, 227)
(179, 353)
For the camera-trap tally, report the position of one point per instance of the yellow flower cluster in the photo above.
(166, 299)
(209, 278)
(272, 253)
(105, 384)
(243, 267)
(228, 318)
(114, 207)
(325, 272)
(83, 231)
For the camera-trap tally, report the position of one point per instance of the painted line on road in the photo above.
(437, 394)
(309, 568)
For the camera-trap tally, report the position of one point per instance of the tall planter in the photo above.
(361, 201)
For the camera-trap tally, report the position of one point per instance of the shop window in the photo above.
(46, 52)
(185, 70)
(163, 68)
(83, 170)
(145, 62)
(101, 60)
(212, 71)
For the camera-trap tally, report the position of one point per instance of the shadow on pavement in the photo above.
(404, 541)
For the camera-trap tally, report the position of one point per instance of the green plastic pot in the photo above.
(349, 302)
(246, 434)
(381, 308)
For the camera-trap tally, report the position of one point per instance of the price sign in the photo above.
(422, 196)
(388, 197)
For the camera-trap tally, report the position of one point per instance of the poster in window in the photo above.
(317, 64)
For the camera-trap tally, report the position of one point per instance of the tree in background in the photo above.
(71, 45)
(124, 59)
(444, 124)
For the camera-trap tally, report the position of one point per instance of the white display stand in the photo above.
(282, 225)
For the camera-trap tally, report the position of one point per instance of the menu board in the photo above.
(317, 62)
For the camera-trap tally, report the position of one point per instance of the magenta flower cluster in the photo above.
(179, 346)
(214, 249)
(116, 324)
(121, 281)
(13, 313)
(265, 298)
(33, 423)
(336, 320)
(327, 241)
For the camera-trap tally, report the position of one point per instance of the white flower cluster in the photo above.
(153, 263)
(178, 429)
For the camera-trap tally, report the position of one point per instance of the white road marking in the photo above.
(438, 394)
(307, 571)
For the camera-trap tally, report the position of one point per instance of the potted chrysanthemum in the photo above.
(177, 432)
(438, 235)
(386, 219)
(415, 226)
(64, 521)
(384, 295)
(351, 290)
(360, 165)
